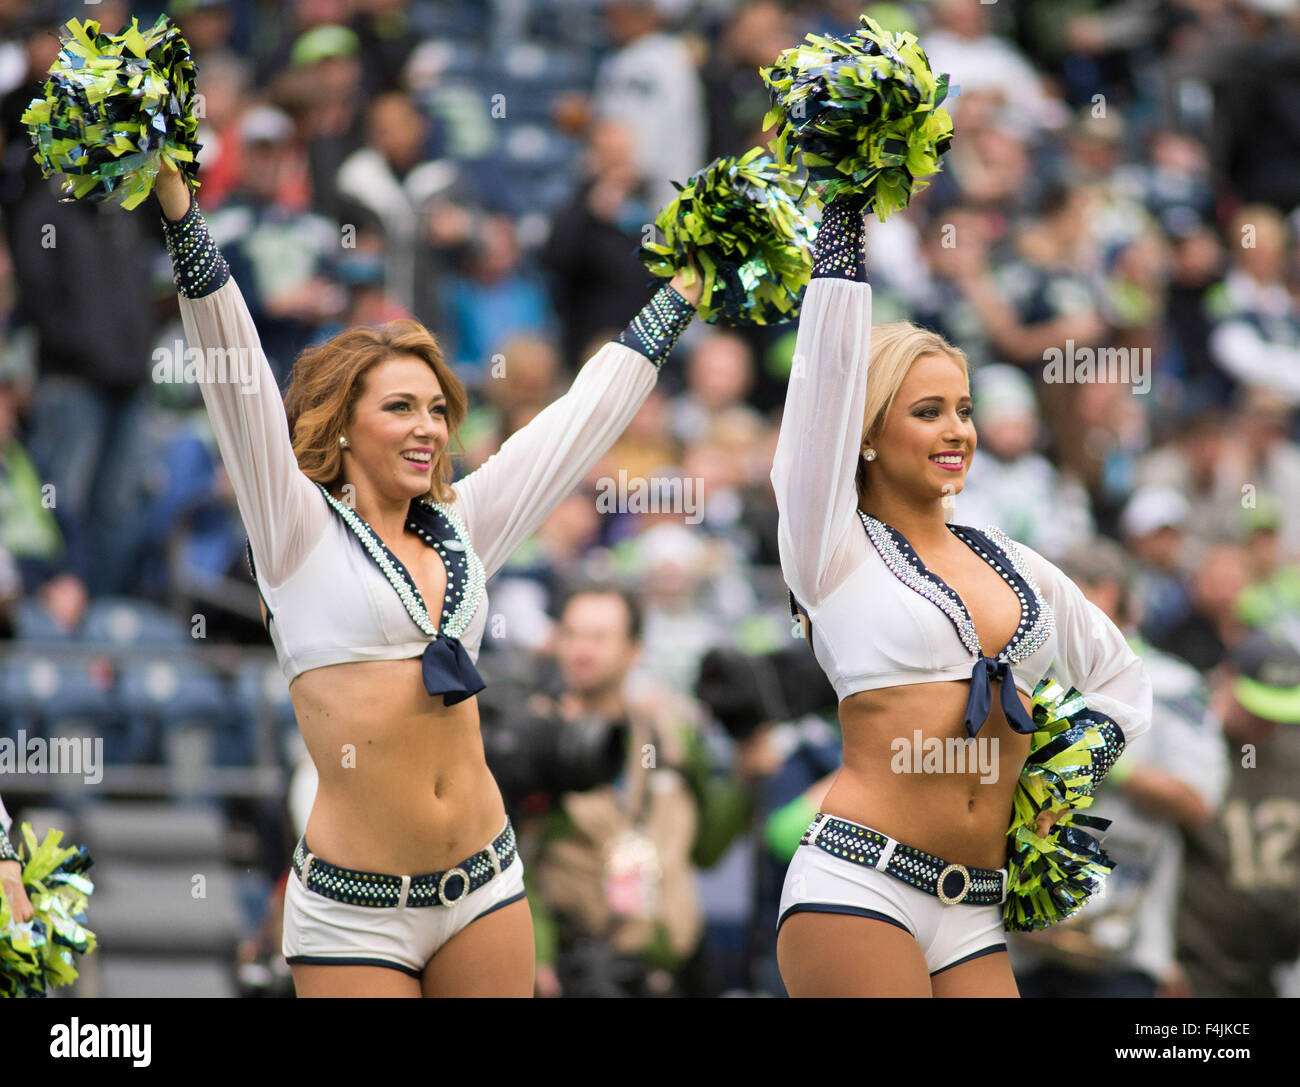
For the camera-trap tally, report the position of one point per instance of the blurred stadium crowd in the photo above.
(1123, 188)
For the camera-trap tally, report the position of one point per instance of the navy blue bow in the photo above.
(448, 671)
(980, 702)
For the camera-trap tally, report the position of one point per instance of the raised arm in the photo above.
(817, 451)
(281, 509)
(505, 499)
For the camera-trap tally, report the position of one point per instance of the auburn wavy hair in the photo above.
(328, 380)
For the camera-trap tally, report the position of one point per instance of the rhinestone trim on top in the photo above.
(466, 575)
(388, 563)
(906, 565)
(1037, 619)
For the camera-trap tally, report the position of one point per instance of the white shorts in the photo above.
(817, 882)
(320, 931)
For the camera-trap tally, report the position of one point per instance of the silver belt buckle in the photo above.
(442, 885)
(938, 887)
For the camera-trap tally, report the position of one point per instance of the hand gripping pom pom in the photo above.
(740, 222)
(38, 954)
(864, 112)
(113, 107)
(1051, 878)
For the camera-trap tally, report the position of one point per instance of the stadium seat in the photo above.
(32, 623)
(46, 696)
(122, 621)
(168, 698)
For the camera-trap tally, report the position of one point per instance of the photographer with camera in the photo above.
(612, 883)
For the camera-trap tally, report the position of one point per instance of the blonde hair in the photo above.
(894, 347)
(328, 381)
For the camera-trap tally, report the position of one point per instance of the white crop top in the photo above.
(878, 618)
(333, 591)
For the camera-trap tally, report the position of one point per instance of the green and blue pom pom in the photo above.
(38, 954)
(1051, 878)
(740, 222)
(864, 112)
(113, 107)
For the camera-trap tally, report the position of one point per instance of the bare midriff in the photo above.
(404, 786)
(954, 815)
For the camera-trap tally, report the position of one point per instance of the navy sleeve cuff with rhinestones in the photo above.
(7, 851)
(655, 330)
(1103, 760)
(837, 253)
(198, 268)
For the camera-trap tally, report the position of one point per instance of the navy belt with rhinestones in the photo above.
(444, 888)
(952, 883)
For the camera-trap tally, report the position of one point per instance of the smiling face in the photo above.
(397, 429)
(926, 440)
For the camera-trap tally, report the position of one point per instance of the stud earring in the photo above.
(343, 441)
(870, 454)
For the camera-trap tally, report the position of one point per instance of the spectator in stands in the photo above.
(590, 256)
(78, 269)
(1272, 598)
(1213, 625)
(285, 260)
(1256, 338)
(45, 556)
(225, 84)
(37, 31)
(1223, 463)
(651, 84)
(1238, 923)
(613, 890)
(386, 38)
(1010, 484)
(719, 376)
(520, 384)
(1196, 257)
(734, 96)
(322, 90)
(205, 24)
(495, 297)
(1153, 531)
(1257, 92)
(694, 593)
(961, 43)
(1048, 296)
(288, 28)
(955, 254)
(393, 180)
